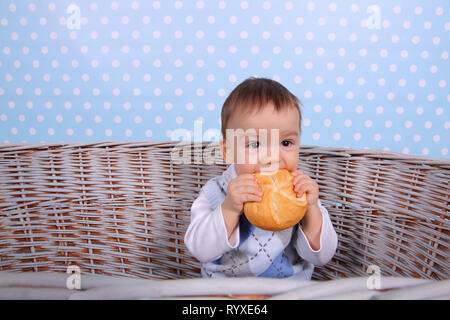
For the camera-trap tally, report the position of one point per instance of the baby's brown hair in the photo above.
(253, 94)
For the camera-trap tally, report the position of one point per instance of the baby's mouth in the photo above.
(272, 168)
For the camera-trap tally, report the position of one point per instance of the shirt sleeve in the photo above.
(206, 237)
(328, 242)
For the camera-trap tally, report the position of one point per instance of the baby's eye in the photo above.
(253, 145)
(286, 143)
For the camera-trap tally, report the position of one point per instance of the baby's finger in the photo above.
(297, 172)
(299, 178)
(302, 187)
(250, 197)
(257, 191)
(250, 186)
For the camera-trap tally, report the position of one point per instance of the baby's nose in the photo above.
(269, 160)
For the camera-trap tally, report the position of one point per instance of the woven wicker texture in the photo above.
(58, 286)
(121, 208)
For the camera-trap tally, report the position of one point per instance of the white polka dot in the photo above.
(307, 94)
(317, 108)
(137, 119)
(417, 138)
(408, 124)
(349, 95)
(168, 106)
(306, 122)
(425, 151)
(359, 109)
(178, 92)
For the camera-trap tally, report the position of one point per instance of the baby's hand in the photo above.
(303, 183)
(243, 188)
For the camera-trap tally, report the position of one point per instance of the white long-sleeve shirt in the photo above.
(251, 251)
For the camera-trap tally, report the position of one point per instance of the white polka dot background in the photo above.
(368, 75)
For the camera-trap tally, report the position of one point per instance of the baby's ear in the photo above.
(226, 155)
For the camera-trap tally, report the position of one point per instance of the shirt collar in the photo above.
(228, 175)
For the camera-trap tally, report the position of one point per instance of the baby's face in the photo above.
(263, 141)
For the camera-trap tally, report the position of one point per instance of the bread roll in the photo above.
(279, 208)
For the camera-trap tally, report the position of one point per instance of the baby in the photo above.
(261, 122)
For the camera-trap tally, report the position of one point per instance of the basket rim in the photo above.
(326, 150)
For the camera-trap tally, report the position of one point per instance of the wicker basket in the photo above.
(121, 209)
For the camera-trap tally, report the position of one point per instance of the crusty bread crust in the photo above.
(279, 208)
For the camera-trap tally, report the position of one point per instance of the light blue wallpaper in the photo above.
(369, 74)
